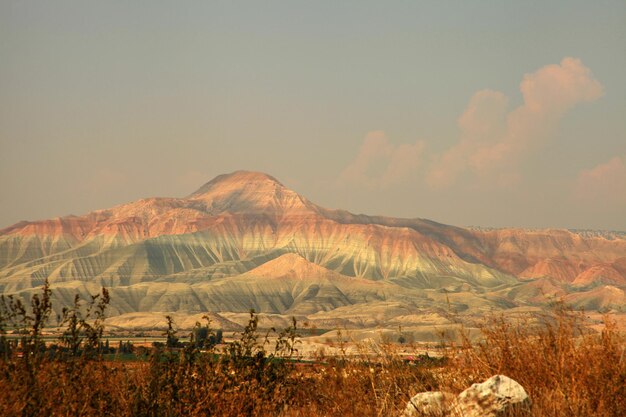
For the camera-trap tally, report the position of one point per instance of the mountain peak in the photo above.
(237, 179)
(243, 191)
(291, 265)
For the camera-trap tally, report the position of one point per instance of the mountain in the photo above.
(244, 240)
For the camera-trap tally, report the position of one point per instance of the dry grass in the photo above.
(566, 371)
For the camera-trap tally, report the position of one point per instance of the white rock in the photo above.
(491, 398)
(432, 403)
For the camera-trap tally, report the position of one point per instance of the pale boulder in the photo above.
(432, 403)
(492, 398)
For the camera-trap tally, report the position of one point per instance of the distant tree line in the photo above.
(83, 327)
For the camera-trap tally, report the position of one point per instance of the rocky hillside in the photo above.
(244, 240)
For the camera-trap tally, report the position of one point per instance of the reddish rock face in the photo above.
(245, 196)
(240, 221)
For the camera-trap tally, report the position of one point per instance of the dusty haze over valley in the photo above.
(375, 165)
(245, 241)
(313, 208)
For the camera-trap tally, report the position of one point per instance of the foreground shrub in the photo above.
(566, 369)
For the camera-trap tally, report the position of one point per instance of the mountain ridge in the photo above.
(245, 221)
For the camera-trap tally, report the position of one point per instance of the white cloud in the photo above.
(380, 163)
(493, 142)
(603, 184)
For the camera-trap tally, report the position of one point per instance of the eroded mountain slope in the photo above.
(244, 240)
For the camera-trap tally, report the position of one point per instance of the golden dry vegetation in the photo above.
(566, 369)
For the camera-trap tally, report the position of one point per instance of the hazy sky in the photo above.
(490, 113)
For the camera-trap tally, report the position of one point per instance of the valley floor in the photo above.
(566, 369)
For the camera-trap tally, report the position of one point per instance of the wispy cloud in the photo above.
(494, 141)
(603, 184)
(381, 163)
